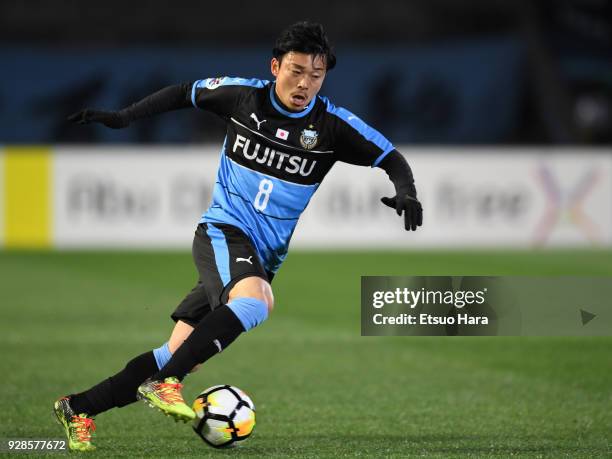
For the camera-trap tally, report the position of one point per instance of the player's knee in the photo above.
(249, 311)
(251, 300)
(266, 297)
(269, 300)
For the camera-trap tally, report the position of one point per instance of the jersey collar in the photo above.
(280, 109)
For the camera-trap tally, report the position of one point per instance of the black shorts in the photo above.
(223, 255)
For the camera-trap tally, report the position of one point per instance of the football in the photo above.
(225, 415)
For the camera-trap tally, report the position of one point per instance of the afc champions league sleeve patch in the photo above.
(213, 83)
(309, 138)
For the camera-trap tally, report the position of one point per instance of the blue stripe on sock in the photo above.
(250, 311)
(221, 251)
(162, 355)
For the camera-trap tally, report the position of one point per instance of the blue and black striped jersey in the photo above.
(273, 160)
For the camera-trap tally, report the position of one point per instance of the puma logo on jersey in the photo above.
(291, 164)
(248, 260)
(259, 123)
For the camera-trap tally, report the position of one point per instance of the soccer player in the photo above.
(282, 139)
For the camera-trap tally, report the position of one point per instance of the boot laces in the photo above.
(170, 392)
(84, 427)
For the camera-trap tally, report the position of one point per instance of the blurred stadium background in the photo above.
(504, 110)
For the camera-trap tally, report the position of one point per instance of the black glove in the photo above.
(110, 119)
(413, 211)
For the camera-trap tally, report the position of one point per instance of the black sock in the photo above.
(118, 390)
(221, 325)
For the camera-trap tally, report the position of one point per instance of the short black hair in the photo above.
(305, 37)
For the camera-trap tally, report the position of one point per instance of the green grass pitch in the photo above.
(70, 319)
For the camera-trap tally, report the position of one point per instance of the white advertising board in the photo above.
(153, 197)
(489, 198)
(130, 197)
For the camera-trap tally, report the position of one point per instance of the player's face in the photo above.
(299, 78)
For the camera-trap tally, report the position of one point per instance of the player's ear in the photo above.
(275, 66)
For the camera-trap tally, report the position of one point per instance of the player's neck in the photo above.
(283, 106)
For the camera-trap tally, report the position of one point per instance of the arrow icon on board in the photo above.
(586, 316)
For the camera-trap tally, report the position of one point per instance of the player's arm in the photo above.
(405, 199)
(165, 100)
(217, 95)
(363, 145)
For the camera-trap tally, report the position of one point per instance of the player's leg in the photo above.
(120, 389)
(75, 411)
(249, 303)
(238, 286)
